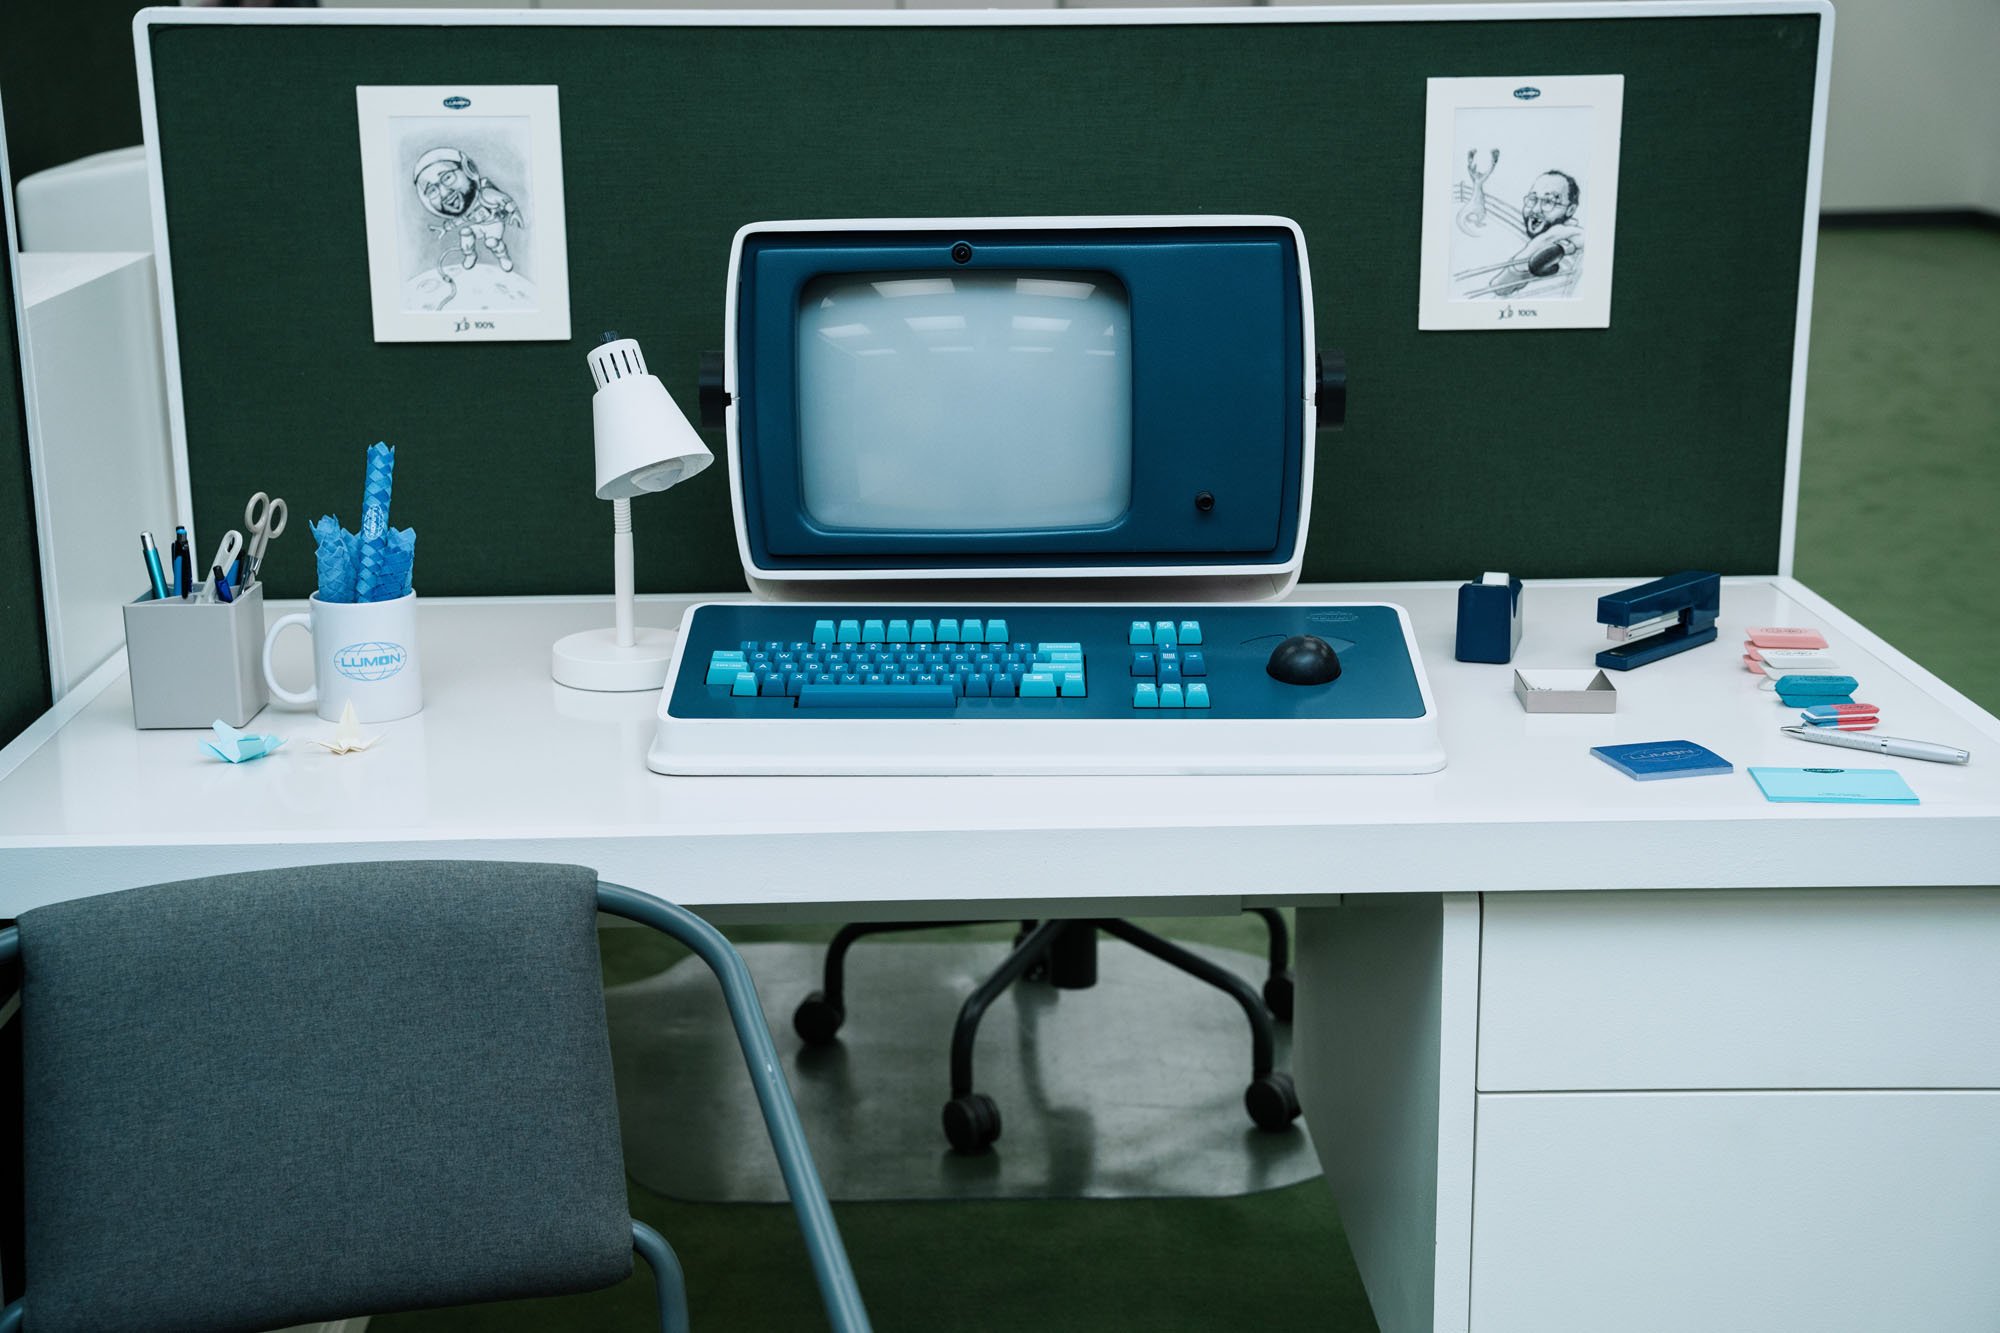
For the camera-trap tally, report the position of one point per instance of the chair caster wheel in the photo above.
(1272, 1101)
(817, 1020)
(1278, 995)
(972, 1123)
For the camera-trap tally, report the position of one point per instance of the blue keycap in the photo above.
(1072, 685)
(899, 631)
(745, 685)
(772, 686)
(1142, 665)
(1053, 647)
(1170, 697)
(996, 631)
(876, 696)
(947, 631)
(1197, 696)
(1141, 633)
(972, 631)
(1163, 634)
(850, 631)
(823, 631)
(794, 681)
(1169, 674)
(1145, 695)
(1194, 664)
(977, 687)
(923, 632)
(873, 631)
(1001, 686)
(1190, 633)
(724, 673)
(1038, 685)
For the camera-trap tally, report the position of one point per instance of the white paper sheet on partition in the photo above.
(463, 191)
(1520, 202)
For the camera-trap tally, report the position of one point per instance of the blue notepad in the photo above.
(1856, 786)
(1652, 760)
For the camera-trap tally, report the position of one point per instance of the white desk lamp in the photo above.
(643, 444)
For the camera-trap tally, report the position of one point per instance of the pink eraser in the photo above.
(1754, 665)
(1821, 712)
(1786, 636)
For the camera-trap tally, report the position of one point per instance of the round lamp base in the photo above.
(593, 660)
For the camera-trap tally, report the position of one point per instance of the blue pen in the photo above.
(153, 570)
(221, 586)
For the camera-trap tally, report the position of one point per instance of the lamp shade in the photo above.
(644, 443)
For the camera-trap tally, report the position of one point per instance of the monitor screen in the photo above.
(970, 402)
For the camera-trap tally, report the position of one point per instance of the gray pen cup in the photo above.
(193, 663)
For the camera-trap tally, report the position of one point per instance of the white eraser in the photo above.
(1489, 578)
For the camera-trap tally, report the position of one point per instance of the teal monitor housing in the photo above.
(1021, 399)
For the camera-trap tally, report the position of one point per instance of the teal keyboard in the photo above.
(777, 688)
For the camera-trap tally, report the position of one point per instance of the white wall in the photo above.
(1914, 117)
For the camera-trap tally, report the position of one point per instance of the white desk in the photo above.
(1766, 1109)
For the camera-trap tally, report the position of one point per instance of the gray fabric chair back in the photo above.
(273, 1098)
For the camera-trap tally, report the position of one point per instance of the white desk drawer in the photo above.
(1799, 988)
(1735, 1212)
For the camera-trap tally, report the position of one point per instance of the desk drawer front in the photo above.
(1803, 988)
(1731, 1212)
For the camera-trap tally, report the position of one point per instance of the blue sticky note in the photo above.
(1649, 761)
(1856, 786)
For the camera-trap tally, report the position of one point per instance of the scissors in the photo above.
(265, 519)
(225, 556)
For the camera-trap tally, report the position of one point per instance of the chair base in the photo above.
(1064, 953)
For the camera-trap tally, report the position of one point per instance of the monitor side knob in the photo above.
(713, 397)
(1330, 395)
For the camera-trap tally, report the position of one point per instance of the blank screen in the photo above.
(965, 401)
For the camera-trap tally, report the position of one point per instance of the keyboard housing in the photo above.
(1377, 717)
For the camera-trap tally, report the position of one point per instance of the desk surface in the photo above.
(505, 764)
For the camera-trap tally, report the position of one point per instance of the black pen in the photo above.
(183, 564)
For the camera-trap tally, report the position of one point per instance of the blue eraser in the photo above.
(1649, 761)
(1824, 686)
(1489, 619)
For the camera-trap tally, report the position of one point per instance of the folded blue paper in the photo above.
(377, 563)
(1855, 786)
(238, 747)
(1649, 761)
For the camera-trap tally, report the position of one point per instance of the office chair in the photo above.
(1065, 954)
(275, 1098)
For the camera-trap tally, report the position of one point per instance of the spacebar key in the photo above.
(876, 696)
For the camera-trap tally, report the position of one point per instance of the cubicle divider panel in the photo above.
(1654, 444)
(24, 645)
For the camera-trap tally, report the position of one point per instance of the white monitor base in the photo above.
(594, 660)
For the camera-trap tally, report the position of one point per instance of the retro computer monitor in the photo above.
(943, 417)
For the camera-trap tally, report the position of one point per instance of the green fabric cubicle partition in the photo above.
(1656, 444)
(24, 644)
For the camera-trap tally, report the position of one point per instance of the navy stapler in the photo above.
(1659, 619)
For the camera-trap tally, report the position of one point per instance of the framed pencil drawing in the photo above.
(1520, 202)
(463, 191)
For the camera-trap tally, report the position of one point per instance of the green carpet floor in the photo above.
(1899, 522)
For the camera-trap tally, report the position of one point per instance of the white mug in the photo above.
(364, 653)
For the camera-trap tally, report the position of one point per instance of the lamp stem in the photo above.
(621, 568)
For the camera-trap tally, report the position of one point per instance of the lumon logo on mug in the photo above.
(370, 661)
